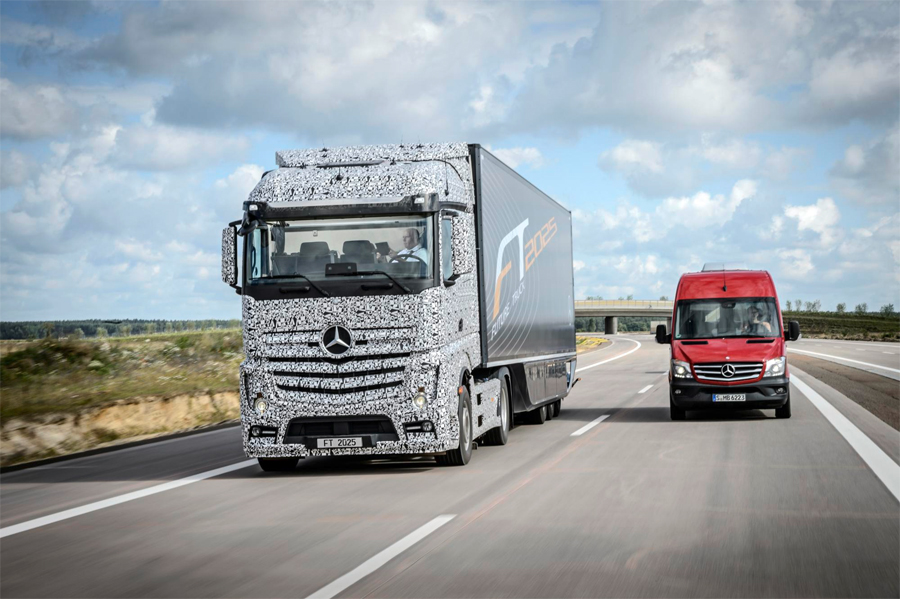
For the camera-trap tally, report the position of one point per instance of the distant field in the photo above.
(52, 375)
(871, 326)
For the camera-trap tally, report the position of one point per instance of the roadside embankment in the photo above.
(63, 396)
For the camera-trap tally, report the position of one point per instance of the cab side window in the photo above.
(447, 247)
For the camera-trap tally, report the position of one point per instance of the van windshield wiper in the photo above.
(308, 280)
(370, 272)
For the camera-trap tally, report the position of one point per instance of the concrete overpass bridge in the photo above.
(611, 310)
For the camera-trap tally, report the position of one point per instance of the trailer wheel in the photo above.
(278, 464)
(500, 435)
(784, 411)
(538, 416)
(557, 408)
(675, 412)
(462, 454)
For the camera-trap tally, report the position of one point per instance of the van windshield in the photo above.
(719, 318)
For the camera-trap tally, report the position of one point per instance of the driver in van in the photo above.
(412, 246)
(756, 325)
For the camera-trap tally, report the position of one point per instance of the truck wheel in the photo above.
(538, 416)
(278, 464)
(557, 408)
(500, 435)
(549, 408)
(784, 411)
(675, 412)
(462, 454)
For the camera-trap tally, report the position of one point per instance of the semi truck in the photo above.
(397, 300)
(728, 343)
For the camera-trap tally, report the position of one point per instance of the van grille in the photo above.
(743, 371)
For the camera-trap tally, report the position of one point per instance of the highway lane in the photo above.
(882, 358)
(718, 505)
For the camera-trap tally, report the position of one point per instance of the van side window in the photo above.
(447, 247)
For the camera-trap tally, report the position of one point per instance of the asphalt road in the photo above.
(720, 505)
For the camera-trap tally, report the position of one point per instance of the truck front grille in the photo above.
(743, 371)
(336, 376)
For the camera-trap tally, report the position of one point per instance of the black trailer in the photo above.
(526, 282)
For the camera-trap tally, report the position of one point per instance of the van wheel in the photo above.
(675, 412)
(557, 408)
(500, 434)
(538, 416)
(462, 454)
(785, 411)
(278, 464)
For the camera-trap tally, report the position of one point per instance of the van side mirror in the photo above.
(229, 257)
(662, 336)
(793, 331)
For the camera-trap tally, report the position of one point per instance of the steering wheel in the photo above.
(405, 257)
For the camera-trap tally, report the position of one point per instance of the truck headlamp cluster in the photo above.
(775, 367)
(681, 370)
(419, 400)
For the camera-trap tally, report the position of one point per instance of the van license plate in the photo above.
(339, 442)
(729, 397)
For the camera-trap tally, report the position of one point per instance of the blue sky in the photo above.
(677, 133)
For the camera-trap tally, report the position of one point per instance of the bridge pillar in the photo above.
(612, 325)
(669, 325)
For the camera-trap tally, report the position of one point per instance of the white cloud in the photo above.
(634, 155)
(16, 168)
(870, 173)
(161, 147)
(517, 156)
(35, 111)
(821, 217)
(703, 209)
(734, 153)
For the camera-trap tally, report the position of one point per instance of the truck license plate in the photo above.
(729, 397)
(339, 442)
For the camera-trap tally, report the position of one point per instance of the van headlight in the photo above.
(774, 367)
(681, 370)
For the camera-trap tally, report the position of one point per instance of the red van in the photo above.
(728, 343)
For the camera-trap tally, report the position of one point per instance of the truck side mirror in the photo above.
(793, 332)
(463, 244)
(229, 257)
(661, 335)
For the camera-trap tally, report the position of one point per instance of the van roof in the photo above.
(725, 283)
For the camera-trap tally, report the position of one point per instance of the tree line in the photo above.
(886, 310)
(78, 329)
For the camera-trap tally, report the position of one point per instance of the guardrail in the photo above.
(635, 304)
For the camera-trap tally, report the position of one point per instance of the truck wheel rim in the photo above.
(504, 411)
(465, 430)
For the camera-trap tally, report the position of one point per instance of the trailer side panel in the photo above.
(525, 267)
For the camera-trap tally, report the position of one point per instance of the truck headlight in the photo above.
(775, 367)
(681, 370)
(420, 400)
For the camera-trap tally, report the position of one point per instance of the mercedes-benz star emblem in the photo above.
(336, 340)
(728, 371)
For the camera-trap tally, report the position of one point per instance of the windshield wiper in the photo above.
(308, 280)
(370, 272)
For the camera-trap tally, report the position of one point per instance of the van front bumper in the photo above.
(767, 393)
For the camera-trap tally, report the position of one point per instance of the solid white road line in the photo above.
(881, 464)
(589, 426)
(645, 389)
(377, 561)
(812, 353)
(630, 351)
(99, 505)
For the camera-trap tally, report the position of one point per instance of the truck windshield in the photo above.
(718, 318)
(402, 246)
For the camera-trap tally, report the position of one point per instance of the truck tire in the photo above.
(549, 408)
(557, 408)
(538, 416)
(278, 464)
(462, 454)
(784, 411)
(675, 412)
(500, 434)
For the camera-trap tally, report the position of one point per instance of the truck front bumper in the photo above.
(768, 393)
